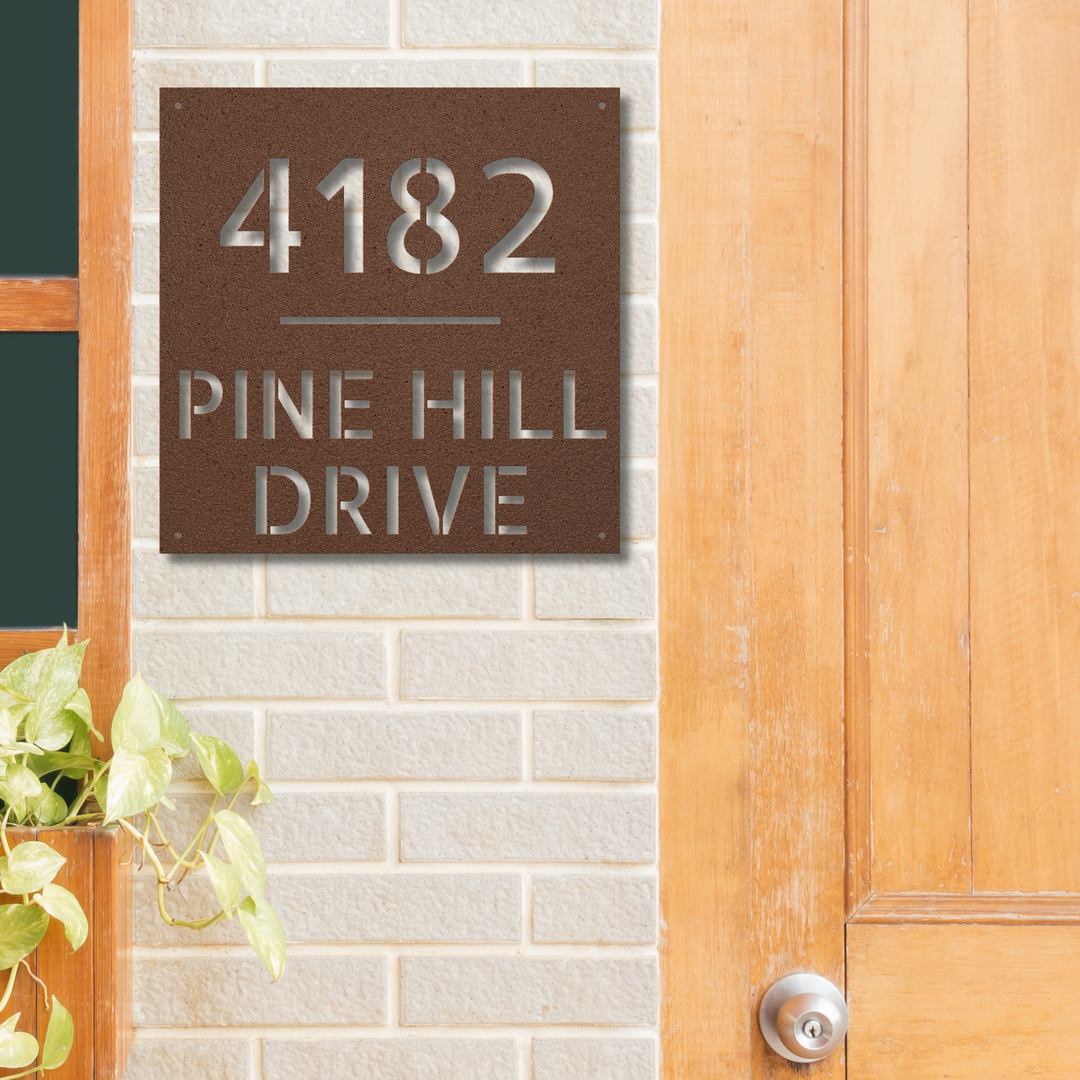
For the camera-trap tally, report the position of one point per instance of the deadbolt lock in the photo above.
(803, 1017)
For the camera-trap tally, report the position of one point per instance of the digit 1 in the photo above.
(281, 237)
(348, 176)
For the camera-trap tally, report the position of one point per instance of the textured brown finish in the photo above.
(751, 544)
(963, 1002)
(1025, 469)
(1005, 909)
(39, 304)
(221, 306)
(104, 346)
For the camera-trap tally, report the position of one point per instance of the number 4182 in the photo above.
(347, 177)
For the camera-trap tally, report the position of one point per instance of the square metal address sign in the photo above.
(389, 320)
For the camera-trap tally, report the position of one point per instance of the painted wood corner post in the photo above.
(751, 510)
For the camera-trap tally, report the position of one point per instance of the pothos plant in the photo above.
(50, 777)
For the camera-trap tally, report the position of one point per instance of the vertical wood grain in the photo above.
(917, 445)
(1025, 383)
(857, 771)
(705, 558)
(113, 972)
(795, 359)
(104, 347)
(751, 520)
(70, 975)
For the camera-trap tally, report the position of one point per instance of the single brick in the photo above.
(262, 664)
(168, 1059)
(635, 78)
(394, 746)
(512, 990)
(629, 24)
(593, 745)
(639, 345)
(191, 586)
(390, 1059)
(640, 419)
(596, 586)
(236, 728)
(348, 908)
(396, 73)
(299, 826)
(526, 827)
(236, 991)
(597, 665)
(639, 176)
(593, 908)
(145, 178)
(638, 255)
(164, 24)
(594, 1059)
(146, 420)
(144, 338)
(144, 257)
(638, 501)
(152, 75)
(394, 586)
(146, 502)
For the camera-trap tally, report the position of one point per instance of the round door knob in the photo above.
(803, 1017)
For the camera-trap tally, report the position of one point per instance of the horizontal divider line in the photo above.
(1004, 909)
(389, 320)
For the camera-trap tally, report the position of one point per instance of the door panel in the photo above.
(916, 354)
(1025, 449)
(962, 1002)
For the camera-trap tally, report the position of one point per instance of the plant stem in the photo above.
(146, 846)
(3, 833)
(201, 924)
(76, 806)
(10, 986)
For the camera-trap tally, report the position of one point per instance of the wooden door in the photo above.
(871, 530)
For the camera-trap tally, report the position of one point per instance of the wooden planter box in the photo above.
(94, 983)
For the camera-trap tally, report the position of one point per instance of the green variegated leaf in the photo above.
(175, 737)
(13, 799)
(11, 716)
(48, 807)
(263, 795)
(136, 724)
(51, 731)
(219, 762)
(31, 866)
(49, 679)
(22, 780)
(80, 706)
(58, 1038)
(17, 1048)
(43, 764)
(63, 905)
(244, 851)
(225, 881)
(22, 926)
(136, 782)
(263, 929)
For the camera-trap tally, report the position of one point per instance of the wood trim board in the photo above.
(39, 304)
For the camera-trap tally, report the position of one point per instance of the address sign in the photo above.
(389, 320)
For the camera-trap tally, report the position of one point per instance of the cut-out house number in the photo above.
(389, 321)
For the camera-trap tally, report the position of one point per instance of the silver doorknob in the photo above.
(803, 1017)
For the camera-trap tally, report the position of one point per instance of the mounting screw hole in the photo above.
(601, 105)
(178, 104)
(176, 536)
(601, 536)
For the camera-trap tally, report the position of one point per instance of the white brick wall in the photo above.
(463, 849)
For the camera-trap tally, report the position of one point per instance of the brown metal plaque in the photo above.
(389, 320)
